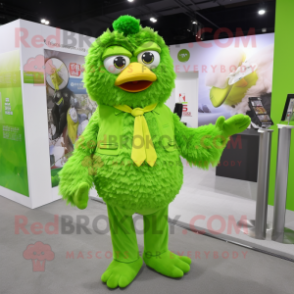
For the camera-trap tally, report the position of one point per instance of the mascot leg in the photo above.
(126, 259)
(156, 254)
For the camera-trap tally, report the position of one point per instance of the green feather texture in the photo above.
(117, 179)
(202, 146)
(121, 183)
(77, 169)
(127, 25)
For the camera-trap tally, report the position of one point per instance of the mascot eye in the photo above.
(119, 62)
(147, 57)
(115, 64)
(150, 59)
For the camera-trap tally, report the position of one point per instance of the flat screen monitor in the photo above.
(258, 113)
(289, 109)
(178, 109)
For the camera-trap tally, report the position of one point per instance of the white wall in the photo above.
(7, 39)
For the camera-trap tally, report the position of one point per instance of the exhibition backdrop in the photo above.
(43, 108)
(69, 107)
(13, 171)
(31, 103)
(213, 61)
(229, 71)
(283, 84)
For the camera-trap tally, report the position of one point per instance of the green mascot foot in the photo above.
(121, 274)
(168, 264)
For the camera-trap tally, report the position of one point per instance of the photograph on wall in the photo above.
(13, 163)
(69, 107)
(237, 74)
(230, 71)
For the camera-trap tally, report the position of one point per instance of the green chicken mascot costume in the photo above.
(132, 145)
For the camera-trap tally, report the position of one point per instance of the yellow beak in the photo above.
(135, 77)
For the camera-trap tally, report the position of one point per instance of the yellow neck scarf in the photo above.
(145, 149)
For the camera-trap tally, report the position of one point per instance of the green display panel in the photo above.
(283, 84)
(13, 165)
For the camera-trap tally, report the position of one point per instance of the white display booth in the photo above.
(27, 42)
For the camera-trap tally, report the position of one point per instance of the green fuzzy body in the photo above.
(117, 179)
(136, 188)
(121, 183)
(100, 158)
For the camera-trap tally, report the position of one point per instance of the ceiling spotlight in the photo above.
(45, 21)
(261, 11)
(194, 22)
(153, 19)
(264, 30)
(131, 0)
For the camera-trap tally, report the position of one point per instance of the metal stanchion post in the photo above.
(280, 233)
(257, 228)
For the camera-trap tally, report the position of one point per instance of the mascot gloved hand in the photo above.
(132, 145)
(81, 196)
(234, 125)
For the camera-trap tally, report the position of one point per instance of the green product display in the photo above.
(13, 166)
(132, 123)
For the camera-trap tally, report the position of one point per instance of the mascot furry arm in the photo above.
(204, 145)
(130, 74)
(77, 174)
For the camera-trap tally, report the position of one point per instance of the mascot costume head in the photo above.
(132, 145)
(129, 60)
